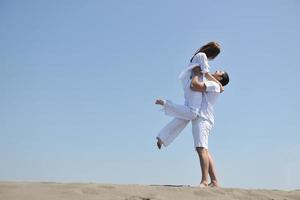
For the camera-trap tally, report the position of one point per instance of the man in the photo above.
(202, 121)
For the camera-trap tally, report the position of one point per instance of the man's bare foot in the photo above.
(203, 185)
(159, 143)
(160, 102)
(213, 185)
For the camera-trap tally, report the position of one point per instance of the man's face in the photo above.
(218, 75)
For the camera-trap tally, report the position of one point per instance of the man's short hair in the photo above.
(225, 79)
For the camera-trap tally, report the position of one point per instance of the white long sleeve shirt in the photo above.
(193, 99)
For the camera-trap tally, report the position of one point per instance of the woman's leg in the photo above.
(177, 111)
(171, 131)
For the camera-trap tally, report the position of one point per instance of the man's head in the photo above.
(222, 77)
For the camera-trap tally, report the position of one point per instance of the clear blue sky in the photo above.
(78, 80)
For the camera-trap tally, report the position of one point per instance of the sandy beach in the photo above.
(93, 191)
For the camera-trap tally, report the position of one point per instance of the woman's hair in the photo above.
(225, 79)
(211, 49)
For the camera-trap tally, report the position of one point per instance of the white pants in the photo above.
(183, 115)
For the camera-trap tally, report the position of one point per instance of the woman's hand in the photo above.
(221, 88)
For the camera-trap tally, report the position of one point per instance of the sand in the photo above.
(93, 191)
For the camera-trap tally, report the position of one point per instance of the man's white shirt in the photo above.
(209, 98)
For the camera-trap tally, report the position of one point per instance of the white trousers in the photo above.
(182, 116)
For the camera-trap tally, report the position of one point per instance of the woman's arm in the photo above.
(196, 85)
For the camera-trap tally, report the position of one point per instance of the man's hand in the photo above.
(196, 71)
(193, 88)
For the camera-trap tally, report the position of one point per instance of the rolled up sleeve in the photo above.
(212, 86)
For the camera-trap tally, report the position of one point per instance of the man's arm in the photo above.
(207, 86)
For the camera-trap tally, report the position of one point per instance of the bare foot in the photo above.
(213, 185)
(160, 102)
(159, 143)
(203, 185)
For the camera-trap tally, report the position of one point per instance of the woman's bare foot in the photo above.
(160, 102)
(159, 143)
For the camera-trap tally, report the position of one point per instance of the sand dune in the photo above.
(93, 191)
